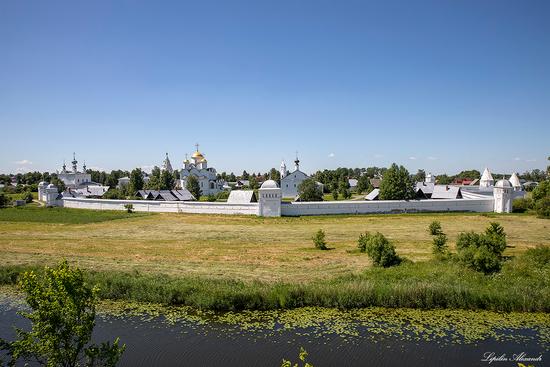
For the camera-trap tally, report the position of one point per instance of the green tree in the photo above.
(154, 179)
(363, 184)
(420, 176)
(308, 190)
(444, 179)
(253, 183)
(4, 201)
(343, 188)
(319, 240)
(27, 196)
(63, 318)
(136, 181)
(482, 251)
(396, 184)
(193, 186)
(166, 180)
(59, 184)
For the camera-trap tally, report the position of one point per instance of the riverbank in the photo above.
(522, 285)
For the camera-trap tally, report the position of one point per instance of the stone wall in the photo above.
(162, 206)
(387, 206)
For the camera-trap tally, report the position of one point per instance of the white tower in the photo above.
(430, 178)
(270, 199)
(514, 180)
(282, 169)
(502, 193)
(50, 195)
(486, 179)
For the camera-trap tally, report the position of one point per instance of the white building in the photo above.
(291, 180)
(74, 179)
(486, 179)
(516, 184)
(198, 167)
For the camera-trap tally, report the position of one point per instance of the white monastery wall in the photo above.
(387, 206)
(162, 206)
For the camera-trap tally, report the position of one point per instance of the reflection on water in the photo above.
(155, 342)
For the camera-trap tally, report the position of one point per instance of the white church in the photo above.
(291, 180)
(198, 167)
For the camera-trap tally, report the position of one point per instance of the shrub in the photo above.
(543, 207)
(482, 251)
(319, 240)
(539, 256)
(440, 248)
(129, 208)
(113, 194)
(435, 228)
(308, 190)
(379, 249)
(4, 201)
(27, 196)
(335, 194)
(222, 195)
(521, 205)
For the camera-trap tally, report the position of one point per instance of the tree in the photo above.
(253, 183)
(343, 188)
(193, 186)
(396, 184)
(166, 180)
(308, 190)
(245, 175)
(3, 200)
(444, 179)
(154, 179)
(379, 249)
(63, 318)
(136, 181)
(59, 184)
(27, 196)
(482, 251)
(364, 185)
(275, 175)
(319, 240)
(420, 176)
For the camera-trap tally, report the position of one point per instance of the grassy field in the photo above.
(232, 247)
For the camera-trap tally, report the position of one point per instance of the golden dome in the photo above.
(198, 154)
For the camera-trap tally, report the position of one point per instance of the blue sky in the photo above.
(440, 85)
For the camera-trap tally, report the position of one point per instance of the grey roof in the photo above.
(446, 192)
(183, 195)
(375, 182)
(352, 182)
(242, 197)
(373, 195)
(165, 195)
(93, 190)
(426, 187)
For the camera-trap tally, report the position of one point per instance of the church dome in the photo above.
(198, 155)
(503, 184)
(269, 184)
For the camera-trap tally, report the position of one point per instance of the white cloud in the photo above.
(412, 158)
(23, 162)
(432, 158)
(331, 155)
(517, 159)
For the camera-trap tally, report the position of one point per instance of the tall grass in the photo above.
(522, 285)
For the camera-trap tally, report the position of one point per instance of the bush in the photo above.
(435, 228)
(521, 205)
(211, 198)
(538, 256)
(482, 251)
(440, 248)
(27, 196)
(4, 201)
(113, 194)
(543, 207)
(319, 240)
(129, 208)
(222, 195)
(379, 249)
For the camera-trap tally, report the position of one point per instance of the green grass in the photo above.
(522, 285)
(61, 215)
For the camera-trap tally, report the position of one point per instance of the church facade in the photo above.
(74, 179)
(198, 167)
(291, 180)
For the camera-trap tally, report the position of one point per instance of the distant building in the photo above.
(291, 180)
(74, 178)
(242, 197)
(446, 192)
(207, 177)
(486, 179)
